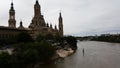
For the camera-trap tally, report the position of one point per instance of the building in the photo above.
(38, 26)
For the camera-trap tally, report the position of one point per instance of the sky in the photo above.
(80, 17)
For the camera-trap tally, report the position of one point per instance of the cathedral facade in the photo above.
(38, 26)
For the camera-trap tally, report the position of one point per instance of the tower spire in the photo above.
(12, 7)
(12, 21)
(60, 14)
(37, 9)
(60, 25)
(37, 2)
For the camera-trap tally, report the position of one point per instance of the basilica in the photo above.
(37, 26)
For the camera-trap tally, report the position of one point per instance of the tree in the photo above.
(24, 37)
(49, 37)
(40, 38)
(46, 51)
(72, 41)
(34, 52)
(5, 60)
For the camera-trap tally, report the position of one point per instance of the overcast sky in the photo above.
(80, 17)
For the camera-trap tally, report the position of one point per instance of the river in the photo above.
(96, 55)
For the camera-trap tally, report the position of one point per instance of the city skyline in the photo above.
(80, 18)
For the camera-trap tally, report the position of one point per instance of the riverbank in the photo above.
(64, 52)
(114, 38)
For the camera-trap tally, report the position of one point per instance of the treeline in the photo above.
(107, 38)
(85, 38)
(27, 55)
(28, 52)
(102, 37)
(26, 38)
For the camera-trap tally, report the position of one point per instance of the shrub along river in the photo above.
(96, 55)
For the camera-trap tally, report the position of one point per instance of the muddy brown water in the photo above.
(96, 55)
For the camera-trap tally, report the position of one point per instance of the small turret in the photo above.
(21, 25)
(51, 26)
(47, 25)
(55, 27)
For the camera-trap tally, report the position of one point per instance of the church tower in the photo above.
(37, 9)
(60, 25)
(12, 21)
(38, 20)
(37, 23)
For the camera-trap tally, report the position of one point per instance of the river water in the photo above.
(96, 55)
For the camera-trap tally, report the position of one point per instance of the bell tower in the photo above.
(37, 21)
(37, 9)
(12, 21)
(60, 25)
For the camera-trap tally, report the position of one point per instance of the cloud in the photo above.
(81, 17)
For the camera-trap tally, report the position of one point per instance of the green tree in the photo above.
(24, 37)
(5, 60)
(40, 38)
(49, 37)
(72, 41)
(34, 52)
(46, 51)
